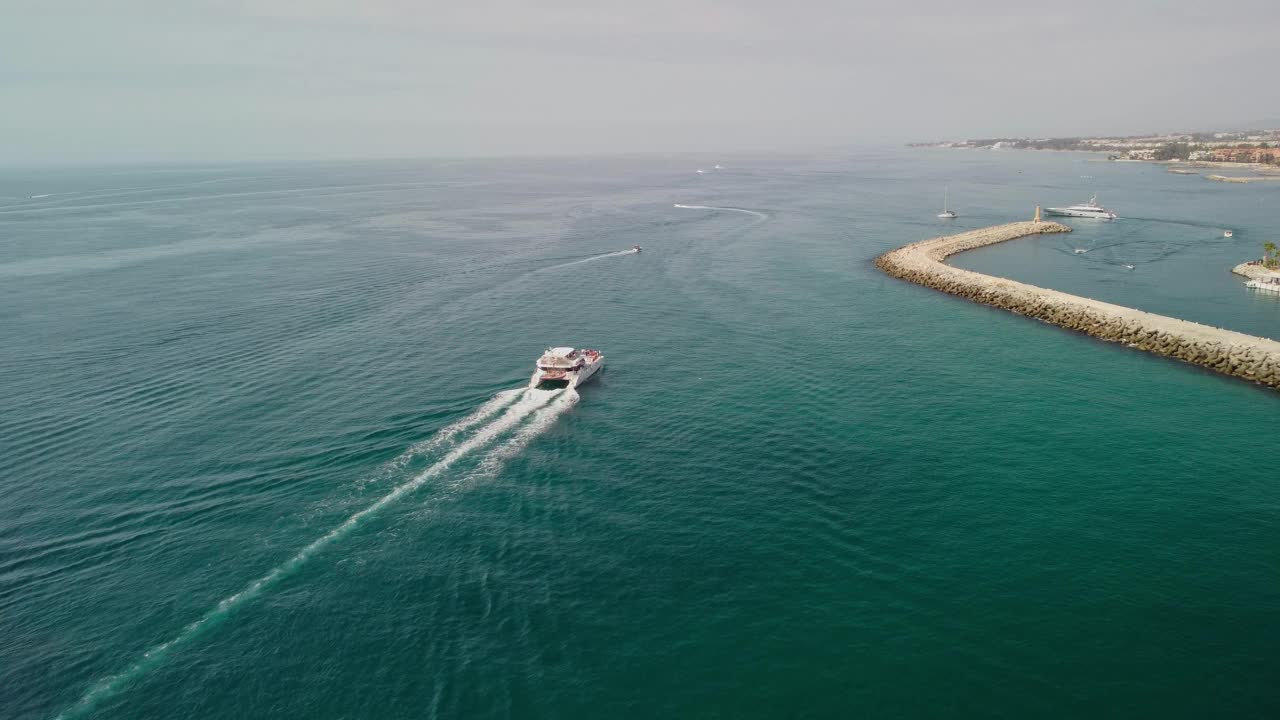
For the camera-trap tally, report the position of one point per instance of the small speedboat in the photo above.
(636, 249)
(1081, 251)
(1227, 233)
(1128, 267)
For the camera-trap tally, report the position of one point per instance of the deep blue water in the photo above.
(266, 452)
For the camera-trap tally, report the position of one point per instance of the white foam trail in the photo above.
(593, 258)
(542, 420)
(760, 215)
(530, 402)
(448, 432)
(288, 192)
(140, 189)
(497, 457)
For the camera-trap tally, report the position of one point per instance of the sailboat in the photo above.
(946, 212)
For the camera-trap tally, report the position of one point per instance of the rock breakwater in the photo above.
(1252, 270)
(1245, 356)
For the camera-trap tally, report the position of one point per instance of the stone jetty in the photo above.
(1251, 270)
(1252, 358)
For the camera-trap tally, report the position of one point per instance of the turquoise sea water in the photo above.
(265, 451)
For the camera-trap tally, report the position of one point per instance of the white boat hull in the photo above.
(587, 372)
(572, 379)
(1065, 212)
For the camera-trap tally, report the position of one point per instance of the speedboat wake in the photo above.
(496, 432)
(760, 215)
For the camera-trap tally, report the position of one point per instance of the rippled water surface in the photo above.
(267, 451)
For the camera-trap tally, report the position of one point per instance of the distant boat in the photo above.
(700, 171)
(1130, 267)
(1081, 251)
(946, 213)
(719, 167)
(1227, 233)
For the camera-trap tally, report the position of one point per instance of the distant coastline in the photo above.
(1232, 147)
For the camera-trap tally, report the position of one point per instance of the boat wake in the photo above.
(760, 215)
(1127, 252)
(309, 193)
(498, 430)
(1184, 223)
(592, 258)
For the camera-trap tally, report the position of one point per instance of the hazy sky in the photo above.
(112, 80)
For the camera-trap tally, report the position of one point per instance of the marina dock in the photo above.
(1232, 353)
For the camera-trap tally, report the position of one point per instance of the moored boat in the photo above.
(1265, 284)
(947, 213)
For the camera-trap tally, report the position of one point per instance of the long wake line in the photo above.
(615, 253)
(544, 405)
(760, 215)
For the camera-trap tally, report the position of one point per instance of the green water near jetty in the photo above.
(235, 482)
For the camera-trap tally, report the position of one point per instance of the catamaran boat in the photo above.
(1090, 209)
(566, 367)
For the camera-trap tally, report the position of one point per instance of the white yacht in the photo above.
(1090, 209)
(566, 367)
(947, 213)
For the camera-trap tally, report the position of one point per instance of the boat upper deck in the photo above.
(565, 358)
